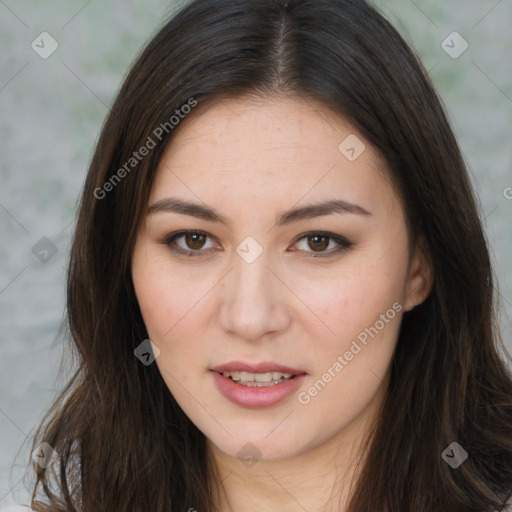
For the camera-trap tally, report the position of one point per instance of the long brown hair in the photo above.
(123, 443)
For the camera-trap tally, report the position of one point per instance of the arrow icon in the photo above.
(147, 352)
(44, 455)
(454, 455)
(44, 45)
(352, 147)
(249, 454)
(454, 45)
(249, 253)
(44, 250)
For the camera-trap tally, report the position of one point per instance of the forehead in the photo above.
(248, 123)
(266, 150)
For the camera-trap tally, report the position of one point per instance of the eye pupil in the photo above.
(194, 237)
(317, 242)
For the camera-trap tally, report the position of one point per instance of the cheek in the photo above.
(349, 301)
(350, 366)
(166, 298)
(167, 306)
(175, 307)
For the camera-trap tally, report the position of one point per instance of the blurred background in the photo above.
(60, 67)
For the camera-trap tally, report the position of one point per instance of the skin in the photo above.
(251, 159)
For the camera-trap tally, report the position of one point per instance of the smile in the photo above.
(252, 394)
(260, 380)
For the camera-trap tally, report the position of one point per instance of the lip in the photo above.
(256, 397)
(263, 367)
(253, 397)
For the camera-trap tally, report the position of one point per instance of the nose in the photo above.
(255, 301)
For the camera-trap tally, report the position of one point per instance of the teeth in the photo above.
(247, 377)
(257, 379)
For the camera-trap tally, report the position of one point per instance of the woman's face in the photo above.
(272, 285)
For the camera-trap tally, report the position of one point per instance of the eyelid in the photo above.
(343, 243)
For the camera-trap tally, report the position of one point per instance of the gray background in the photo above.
(51, 113)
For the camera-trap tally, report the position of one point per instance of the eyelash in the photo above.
(343, 243)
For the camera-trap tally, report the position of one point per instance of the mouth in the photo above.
(256, 386)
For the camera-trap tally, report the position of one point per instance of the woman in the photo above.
(279, 288)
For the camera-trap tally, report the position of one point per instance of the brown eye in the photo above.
(194, 241)
(191, 243)
(318, 242)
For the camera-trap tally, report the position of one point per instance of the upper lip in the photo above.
(263, 367)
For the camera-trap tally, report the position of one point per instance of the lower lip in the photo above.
(254, 397)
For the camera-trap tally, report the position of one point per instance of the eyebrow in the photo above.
(330, 207)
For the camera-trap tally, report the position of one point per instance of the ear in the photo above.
(421, 275)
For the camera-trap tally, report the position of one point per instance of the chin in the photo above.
(250, 446)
